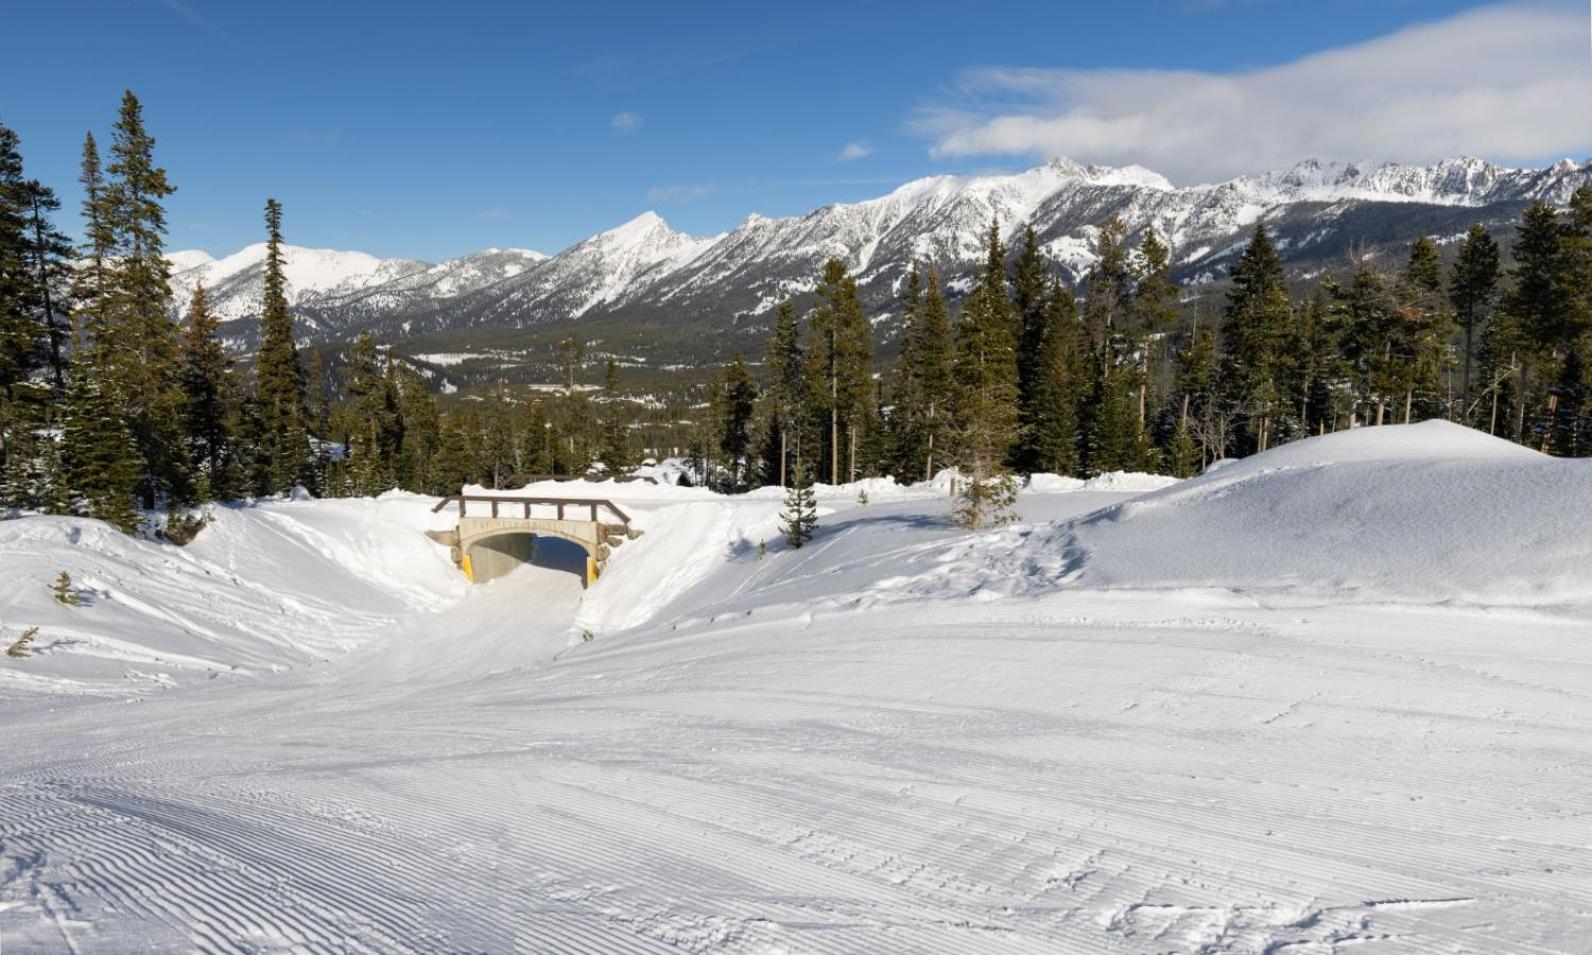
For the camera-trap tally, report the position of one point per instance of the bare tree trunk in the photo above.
(1409, 404)
(783, 446)
(834, 430)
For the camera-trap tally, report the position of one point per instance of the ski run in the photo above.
(1332, 698)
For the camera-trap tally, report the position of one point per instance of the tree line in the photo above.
(1036, 375)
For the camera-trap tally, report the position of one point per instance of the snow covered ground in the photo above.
(1332, 698)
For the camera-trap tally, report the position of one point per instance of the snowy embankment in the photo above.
(1199, 727)
(1428, 513)
(279, 584)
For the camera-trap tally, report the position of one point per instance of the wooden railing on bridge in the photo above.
(526, 503)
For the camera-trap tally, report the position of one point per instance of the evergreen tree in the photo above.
(800, 517)
(839, 355)
(1154, 310)
(737, 403)
(22, 334)
(1570, 401)
(615, 452)
(209, 396)
(422, 436)
(1473, 292)
(279, 376)
(373, 440)
(1113, 437)
(499, 446)
(51, 254)
(91, 282)
(1423, 333)
(1254, 336)
(100, 456)
(921, 417)
(784, 391)
(1030, 297)
(1060, 363)
(573, 453)
(1200, 412)
(985, 375)
(134, 347)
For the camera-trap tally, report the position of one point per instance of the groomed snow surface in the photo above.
(1332, 698)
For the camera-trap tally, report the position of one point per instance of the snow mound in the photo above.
(1433, 512)
(266, 586)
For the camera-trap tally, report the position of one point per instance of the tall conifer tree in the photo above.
(985, 374)
(210, 396)
(1473, 292)
(280, 387)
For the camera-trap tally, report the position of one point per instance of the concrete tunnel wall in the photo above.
(493, 557)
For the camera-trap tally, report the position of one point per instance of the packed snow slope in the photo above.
(1097, 731)
(1429, 512)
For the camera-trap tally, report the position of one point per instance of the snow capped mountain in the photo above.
(236, 283)
(644, 269)
(601, 271)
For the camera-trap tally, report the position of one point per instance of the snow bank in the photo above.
(1432, 513)
(276, 584)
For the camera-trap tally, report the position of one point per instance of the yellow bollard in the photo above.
(464, 565)
(591, 571)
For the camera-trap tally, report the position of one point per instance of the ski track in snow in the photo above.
(1073, 771)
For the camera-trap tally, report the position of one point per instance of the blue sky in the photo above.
(434, 129)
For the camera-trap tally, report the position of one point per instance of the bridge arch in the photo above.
(494, 553)
(494, 539)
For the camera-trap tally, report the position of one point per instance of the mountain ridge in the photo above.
(642, 268)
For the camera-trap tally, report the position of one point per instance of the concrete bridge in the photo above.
(497, 534)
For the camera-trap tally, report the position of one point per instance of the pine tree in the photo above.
(280, 386)
(63, 591)
(422, 436)
(373, 441)
(1113, 437)
(1060, 361)
(1423, 332)
(574, 422)
(615, 452)
(784, 391)
(99, 454)
(1571, 389)
(51, 254)
(1473, 292)
(985, 374)
(209, 397)
(22, 335)
(737, 403)
(1155, 299)
(1198, 401)
(923, 408)
(839, 356)
(1030, 297)
(134, 347)
(91, 283)
(800, 518)
(318, 418)
(1254, 336)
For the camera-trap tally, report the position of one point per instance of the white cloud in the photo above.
(856, 149)
(626, 122)
(1504, 82)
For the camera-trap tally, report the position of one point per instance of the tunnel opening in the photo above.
(502, 554)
